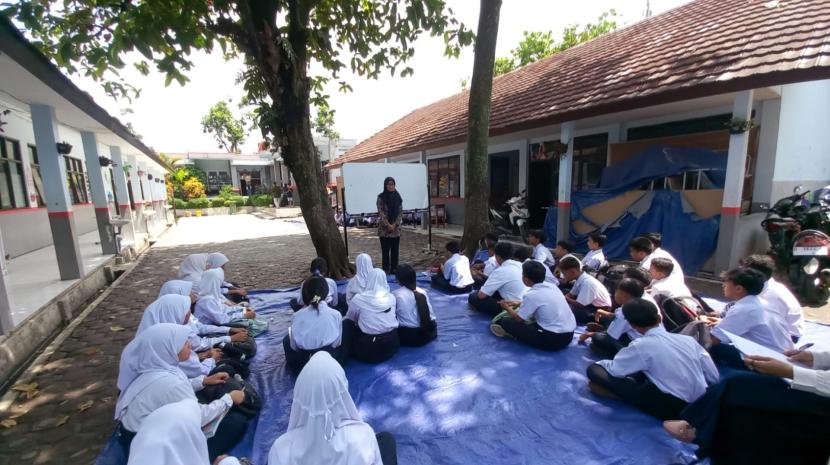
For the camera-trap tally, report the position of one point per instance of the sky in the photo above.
(168, 118)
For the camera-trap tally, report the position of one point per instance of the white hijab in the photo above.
(170, 308)
(211, 284)
(176, 286)
(152, 356)
(192, 268)
(376, 296)
(325, 426)
(216, 260)
(171, 435)
(363, 265)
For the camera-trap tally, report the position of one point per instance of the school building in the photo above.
(713, 108)
(71, 176)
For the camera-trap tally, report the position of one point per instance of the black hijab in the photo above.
(392, 200)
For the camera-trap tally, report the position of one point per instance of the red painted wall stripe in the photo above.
(60, 214)
(731, 210)
(563, 204)
(102, 209)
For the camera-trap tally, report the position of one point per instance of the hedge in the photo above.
(217, 202)
(261, 200)
(201, 202)
(179, 204)
(238, 200)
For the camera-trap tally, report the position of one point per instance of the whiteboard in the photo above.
(364, 181)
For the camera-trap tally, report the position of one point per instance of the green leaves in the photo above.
(228, 130)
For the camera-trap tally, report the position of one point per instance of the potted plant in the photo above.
(104, 161)
(739, 125)
(64, 148)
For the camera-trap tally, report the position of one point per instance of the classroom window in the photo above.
(12, 184)
(36, 177)
(76, 180)
(687, 181)
(590, 154)
(445, 177)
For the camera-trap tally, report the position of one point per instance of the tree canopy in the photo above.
(538, 45)
(228, 130)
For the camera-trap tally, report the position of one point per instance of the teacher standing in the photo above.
(390, 211)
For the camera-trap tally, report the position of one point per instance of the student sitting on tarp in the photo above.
(659, 252)
(777, 294)
(325, 426)
(505, 283)
(371, 325)
(749, 316)
(619, 333)
(595, 258)
(540, 253)
(172, 435)
(454, 276)
(664, 284)
(233, 292)
(212, 307)
(319, 267)
(640, 250)
(587, 294)
(413, 310)
(149, 377)
(192, 268)
(523, 254)
(363, 266)
(763, 418)
(542, 319)
(659, 373)
(481, 271)
(314, 327)
(488, 242)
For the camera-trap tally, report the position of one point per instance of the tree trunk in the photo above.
(477, 186)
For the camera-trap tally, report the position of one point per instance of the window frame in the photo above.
(449, 167)
(37, 176)
(16, 158)
(76, 180)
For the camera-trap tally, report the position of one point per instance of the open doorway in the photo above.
(504, 177)
(542, 180)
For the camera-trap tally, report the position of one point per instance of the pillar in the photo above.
(563, 204)
(99, 193)
(121, 194)
(6, 321)
(138, 199)
(728, 252)
(58, 206)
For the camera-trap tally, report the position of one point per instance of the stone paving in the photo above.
(69, 419)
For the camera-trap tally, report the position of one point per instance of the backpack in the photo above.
(610, 276)
(699, 331)
(242, 350)
(249, 407)
(677, 312)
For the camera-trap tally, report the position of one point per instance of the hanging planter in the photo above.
(149, 177)
(739, 125)
(64, 148)
(140, 173)
(127, 167)
(104, 161)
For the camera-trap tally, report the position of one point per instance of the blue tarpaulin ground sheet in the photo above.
(466, 398)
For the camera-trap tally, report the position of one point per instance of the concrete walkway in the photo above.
(69, 418)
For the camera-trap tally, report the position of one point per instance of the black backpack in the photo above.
(250, 406)
(677, 312)
(242, 350)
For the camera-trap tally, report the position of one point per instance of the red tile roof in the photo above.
(706, 47)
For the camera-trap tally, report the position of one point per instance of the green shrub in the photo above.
(238, 200)
(230, 203)
(248, 201)
(226, 192)
(262, 200)
(217, 202)
(179, 204)
(200, 202)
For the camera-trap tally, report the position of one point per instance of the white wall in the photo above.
(803, 150)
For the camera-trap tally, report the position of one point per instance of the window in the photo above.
(445, 177)
(679, 128)
(76, 180)
(590, 157)
(12, 184)
(36, 177)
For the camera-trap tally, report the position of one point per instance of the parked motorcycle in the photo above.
(514, 221)
(798, 233)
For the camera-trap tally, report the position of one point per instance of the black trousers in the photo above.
(534, 336)
(389, 247)
(370, 348)
(416, 337)
(489, 306)
(584, 314)
(725, 354)
(752, 418)
(638, 391)
(606, 346)
(388, 448)
(440, 283)
(296, 359)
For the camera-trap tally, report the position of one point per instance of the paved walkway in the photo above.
(70, 417)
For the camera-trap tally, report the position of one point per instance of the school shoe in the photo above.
(498, 331)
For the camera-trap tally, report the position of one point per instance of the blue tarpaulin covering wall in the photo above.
(691, 239)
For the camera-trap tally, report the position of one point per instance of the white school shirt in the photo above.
(457, 271)
(675, 363)
(753, 318)
(621, 326)
(548, 306)
(211, 310)
(507, 281)
(549, 277)
(406, 309)
(490, 265)
(815, 380)
(543, 255)
(202, 342)
(333, 296)
(373, 322)
(662, 253)
(315, 328)
(589, 291)
(669, 287)
(784, 302)
(594, 258)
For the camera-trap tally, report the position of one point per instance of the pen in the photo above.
(803, 348)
